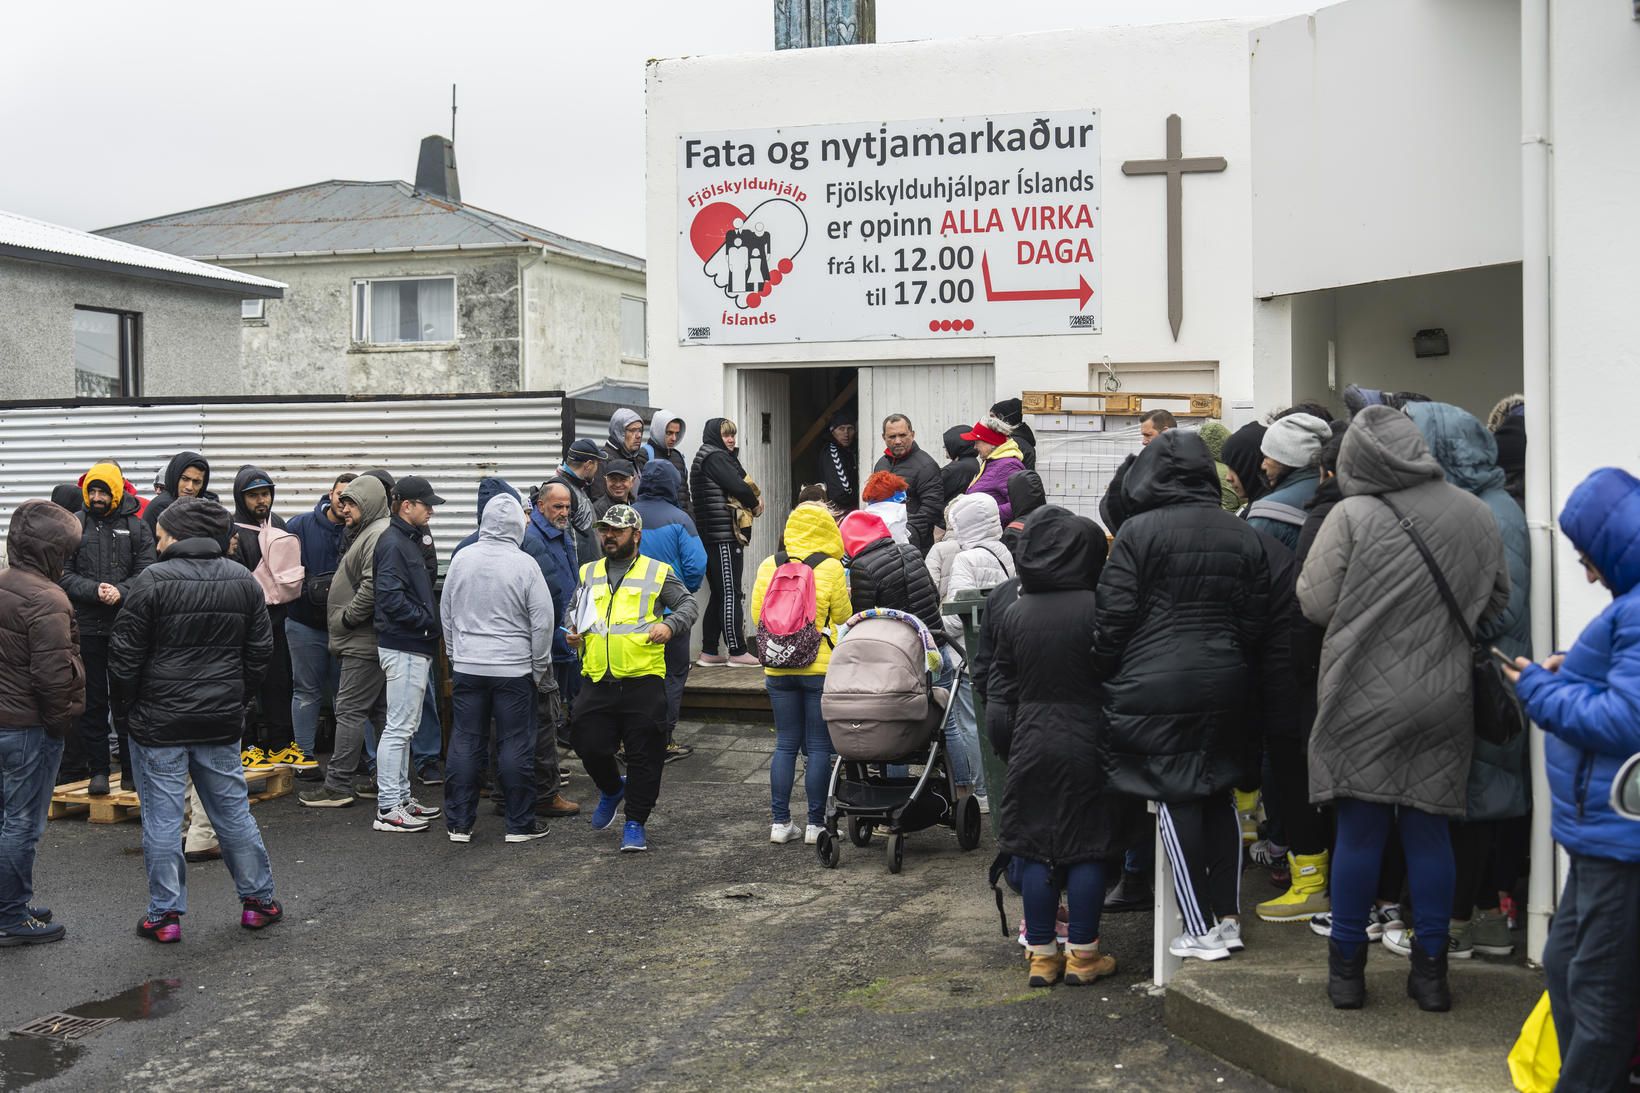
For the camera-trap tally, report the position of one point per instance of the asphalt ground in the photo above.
(716, 960)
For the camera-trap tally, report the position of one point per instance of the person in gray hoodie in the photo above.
(350, 610)
(498, 627)
(666, 431)
(626, 435)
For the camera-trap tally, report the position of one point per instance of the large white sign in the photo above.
(940, 228)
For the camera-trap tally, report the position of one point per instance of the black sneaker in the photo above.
(1132, 893)
(31, 931)
(536, 830)
(41, 914)
(365, 787)
(676, 751)
(325, 797)
(431, 775)
(309, 774)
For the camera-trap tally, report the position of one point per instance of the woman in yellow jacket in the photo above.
(795, 692)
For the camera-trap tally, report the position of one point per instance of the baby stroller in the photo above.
(882, 710)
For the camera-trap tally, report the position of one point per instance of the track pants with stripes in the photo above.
(1203, 841)
(725, 619)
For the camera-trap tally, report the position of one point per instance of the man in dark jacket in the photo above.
(838, 466)
(42, 691)
(666, 432)
(1113, 506)
(1025, 496)
(626, 430)
(960, 469)
(115, 546)
(925, 493)
(407, 636)
(619, 479)
(187, 475)
(670, 536)
(268, 731)
(1184, 605)
(549, 528)
(583, 464)
(1011, 411)
(314, 669)
(186, 655)
(715, 478)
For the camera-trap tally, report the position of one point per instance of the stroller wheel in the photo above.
(859, 831)
(828, 849)
(968, 823)
(896, 852)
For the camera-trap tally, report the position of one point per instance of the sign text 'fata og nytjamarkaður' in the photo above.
(940, 228)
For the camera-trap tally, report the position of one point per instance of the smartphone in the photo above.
(1504, 658)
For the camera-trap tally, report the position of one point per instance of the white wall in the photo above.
(1595, 351)
(1386, 141)
(1135, 76)
(572, 322)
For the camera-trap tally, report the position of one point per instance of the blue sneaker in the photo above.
(632, 839)
(604, 814)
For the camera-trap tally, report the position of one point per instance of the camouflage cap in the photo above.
(620, 516)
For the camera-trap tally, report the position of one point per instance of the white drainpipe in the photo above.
(1535, 151)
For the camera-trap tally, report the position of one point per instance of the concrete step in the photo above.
(1266, 1010)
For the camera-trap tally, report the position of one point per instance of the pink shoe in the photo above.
(712, 660)
(260, 913)
(745, 660)
(167, 930)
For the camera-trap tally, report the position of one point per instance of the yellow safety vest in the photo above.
(618, 642)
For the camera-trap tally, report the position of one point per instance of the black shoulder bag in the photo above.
(1499, 717)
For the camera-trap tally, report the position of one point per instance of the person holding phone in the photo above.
(1587, 700)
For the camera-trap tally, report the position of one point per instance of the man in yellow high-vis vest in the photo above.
(625, 610)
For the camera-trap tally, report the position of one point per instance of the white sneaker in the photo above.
(1321, 925)
(461, 836)
(783, 833)
(1190, 947)
(1229, 931)
(1383, 918)
(397, 819)
(984, 804)
(811, 834)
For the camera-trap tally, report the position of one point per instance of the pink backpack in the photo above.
(787, 636)
(280, 571)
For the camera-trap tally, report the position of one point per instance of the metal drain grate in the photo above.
(63, 1026)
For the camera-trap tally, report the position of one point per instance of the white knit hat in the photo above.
(1294, 440)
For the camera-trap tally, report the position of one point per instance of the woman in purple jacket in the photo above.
(999, 460)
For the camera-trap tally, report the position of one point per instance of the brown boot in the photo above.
(1047, 964)
(1085, 963)
(559, 805)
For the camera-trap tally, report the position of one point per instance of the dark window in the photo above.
(106, 363)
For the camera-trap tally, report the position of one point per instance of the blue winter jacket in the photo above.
(1591, 707)
(554, 551)
(1499, 774)
(406, 608)
(1281, 512)
(669, 535)
(321, 553)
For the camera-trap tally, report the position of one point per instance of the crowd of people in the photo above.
(1253, 641)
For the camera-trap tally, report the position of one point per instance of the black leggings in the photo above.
(1287, 795)
(725, 562)
(1475, 888)
(1203, 840)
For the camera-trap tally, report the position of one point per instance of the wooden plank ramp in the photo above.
(122, 803)
(722, 691)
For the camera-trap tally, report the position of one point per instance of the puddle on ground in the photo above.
(25, 1060)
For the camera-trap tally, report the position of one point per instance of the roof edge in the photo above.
(259, 287)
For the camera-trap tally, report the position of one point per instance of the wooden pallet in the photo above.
(121, 804)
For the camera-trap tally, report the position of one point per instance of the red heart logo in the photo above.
(710, 226)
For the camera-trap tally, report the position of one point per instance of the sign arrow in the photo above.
(1082, 293)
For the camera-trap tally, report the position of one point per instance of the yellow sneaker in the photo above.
(255, 759)
(1047, 965)
(294, 757)
(1308, 895)
(1247, 811)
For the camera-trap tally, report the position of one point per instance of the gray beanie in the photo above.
(1294, 440)
(197, 518)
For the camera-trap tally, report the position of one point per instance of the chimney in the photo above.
(436, 169)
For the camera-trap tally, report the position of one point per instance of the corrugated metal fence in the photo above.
(303, 444)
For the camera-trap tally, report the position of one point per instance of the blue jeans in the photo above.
(1084, 899)
(162, 782)
(510, 701)
(961, 725)
(28, 771)
(429, 738)
(798, 725)
(406, 695)
(314, 674)
(1363, 829)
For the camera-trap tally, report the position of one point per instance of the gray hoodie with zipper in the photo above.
(497, 611)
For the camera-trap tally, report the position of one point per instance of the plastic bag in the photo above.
(1534, 1061)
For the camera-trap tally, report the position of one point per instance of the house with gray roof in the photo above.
(401, 289)
(86, 317)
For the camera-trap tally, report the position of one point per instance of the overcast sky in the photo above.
(117, 111)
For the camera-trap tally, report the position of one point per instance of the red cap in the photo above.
(984, 432)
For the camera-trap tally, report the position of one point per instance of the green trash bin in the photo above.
(969, 606)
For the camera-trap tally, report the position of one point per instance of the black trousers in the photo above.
(1592, 966)
(1287, 794)
(1203, 840)
(1473, 844)
(613, 712)
(86, 750)
(272, 730)
(725, 564)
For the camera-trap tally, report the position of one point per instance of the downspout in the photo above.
(524, 319)
(1535, 151)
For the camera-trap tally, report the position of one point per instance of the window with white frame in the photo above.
(634, 332)
(252, 309)
(403, 310)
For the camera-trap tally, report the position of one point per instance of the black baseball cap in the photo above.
(414, 487)
(622, 467)
(584, 449)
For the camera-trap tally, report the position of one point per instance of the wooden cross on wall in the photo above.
(1175, 167)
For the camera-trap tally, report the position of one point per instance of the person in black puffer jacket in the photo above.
(883, 573)
(187, 653)
(1184, 605)
(714, 478)
(1025, 495)
(958, 474)
(1012, 412)
(1058, 813)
